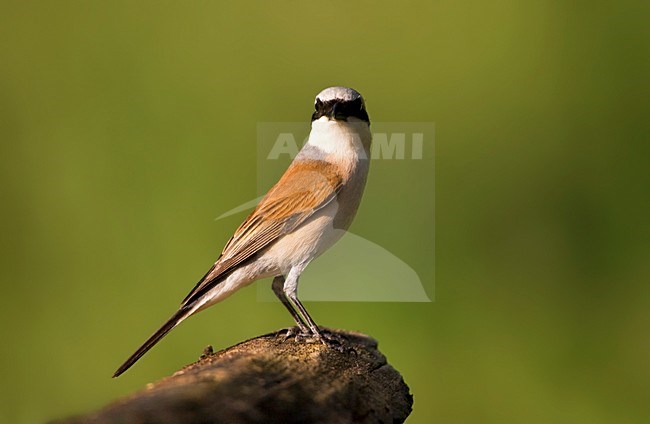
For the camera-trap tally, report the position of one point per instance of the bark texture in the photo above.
(272, 380)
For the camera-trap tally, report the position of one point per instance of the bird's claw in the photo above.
(327, 338)
(298, 334)
(333, 341)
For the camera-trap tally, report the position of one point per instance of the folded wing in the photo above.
(305, 187)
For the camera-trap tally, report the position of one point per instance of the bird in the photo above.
(300, 217)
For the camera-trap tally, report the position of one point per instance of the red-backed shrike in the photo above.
(300, 217)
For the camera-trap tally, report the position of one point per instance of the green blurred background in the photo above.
(123, 123)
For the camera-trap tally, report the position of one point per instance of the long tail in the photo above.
(172, 322)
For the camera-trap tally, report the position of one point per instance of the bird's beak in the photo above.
(334, 114)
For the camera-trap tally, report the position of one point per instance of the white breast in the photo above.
(340, 141)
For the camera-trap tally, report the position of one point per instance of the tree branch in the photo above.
(268, 379)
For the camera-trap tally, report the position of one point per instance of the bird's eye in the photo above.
(319, 104)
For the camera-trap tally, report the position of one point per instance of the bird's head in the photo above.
(340, 104)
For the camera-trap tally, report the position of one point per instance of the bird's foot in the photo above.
(306, 338)
(296, 333)
(326, 337)
(333, 340)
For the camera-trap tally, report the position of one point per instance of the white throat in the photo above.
(341, 139)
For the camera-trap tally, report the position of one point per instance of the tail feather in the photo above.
(172, 322)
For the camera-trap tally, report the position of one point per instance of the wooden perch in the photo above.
(270, 380)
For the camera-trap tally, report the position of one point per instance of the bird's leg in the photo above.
(291, 292)
(278, 289)
(310, 322)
